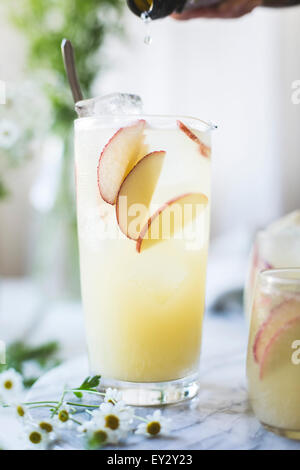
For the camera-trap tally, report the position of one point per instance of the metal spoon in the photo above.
(69, 61)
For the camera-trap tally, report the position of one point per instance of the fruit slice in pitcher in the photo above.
(135, 194)
(118, 157)
(204, 149)
(278, 353)
(172, 218)
(279, 315)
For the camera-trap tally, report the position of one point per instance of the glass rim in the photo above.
(264, 233)
(209, 126)
(279, 276)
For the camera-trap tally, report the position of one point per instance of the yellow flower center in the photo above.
(112, 422)
(153, 428)
(8, 384)
(63, 416)
(46, 426)
(35, 437)
(100, 436)
(20, 411)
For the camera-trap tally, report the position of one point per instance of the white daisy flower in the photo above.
(36, 438)
(63, 418)
(49, 427)
(118, 416)
(156, 424)
(113, 396)
(97, 435)
(11, 386)
(9, 133)
(21, 411)
(114, 420)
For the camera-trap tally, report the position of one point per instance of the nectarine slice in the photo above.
(118, 157)
(204, 149)
(278, 353)
(135, 194)
(286, 311)
(170, 219)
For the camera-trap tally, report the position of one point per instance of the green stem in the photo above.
(85, 391)
(59, 403)
(38, 402)
(40, 406)
(82, 405)
(75, 421)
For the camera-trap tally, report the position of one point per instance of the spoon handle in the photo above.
(69, 61)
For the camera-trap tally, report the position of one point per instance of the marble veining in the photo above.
(220, 417)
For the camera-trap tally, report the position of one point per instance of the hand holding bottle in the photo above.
(225, 9)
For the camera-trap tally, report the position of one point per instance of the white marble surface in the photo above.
(219, 418)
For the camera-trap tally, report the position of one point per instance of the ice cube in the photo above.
(112, 104)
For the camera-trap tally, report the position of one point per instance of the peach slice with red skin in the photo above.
(118, 157)
(278, 352)
(204, 149)
(155, 229)
(136, 193)
(286, 311)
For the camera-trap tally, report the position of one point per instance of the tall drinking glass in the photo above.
(274, 351)
(143, 204)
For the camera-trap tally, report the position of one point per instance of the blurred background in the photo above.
(235, 73)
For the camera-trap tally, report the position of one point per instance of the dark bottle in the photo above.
(156, 9)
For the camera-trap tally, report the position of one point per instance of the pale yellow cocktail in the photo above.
(143, 200)
(273, 366)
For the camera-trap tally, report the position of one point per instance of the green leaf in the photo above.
(4, 192)
(18, 353)
(90, 383)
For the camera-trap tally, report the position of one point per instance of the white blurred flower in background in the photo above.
(9, 133)
(24, 121)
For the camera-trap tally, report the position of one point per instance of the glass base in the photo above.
(153, 394)
(288, 433)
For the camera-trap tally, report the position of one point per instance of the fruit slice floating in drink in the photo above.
(204, 149)
(282, 314)
(273, 351)
(135, 194)
(278, 352)
(118, 157)
(170, 219)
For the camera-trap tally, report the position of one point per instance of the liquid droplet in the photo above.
(147, 21)
(148, 39)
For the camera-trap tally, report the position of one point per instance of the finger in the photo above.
(227, 9)
(195, 13)
(248, 9)
(221, 10)
(234, 8)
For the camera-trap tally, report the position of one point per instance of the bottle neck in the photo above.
(155, 9)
